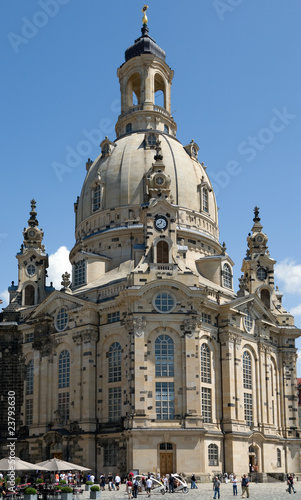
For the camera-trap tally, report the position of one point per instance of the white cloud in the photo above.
(288, 272)
(58, 265)
(296, 311)
(5, 297)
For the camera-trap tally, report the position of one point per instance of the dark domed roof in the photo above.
(144, 45)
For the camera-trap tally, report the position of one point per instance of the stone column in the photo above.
(192, 373)
(227, 340)
(89, 353)
(136, 327)
(77, 373)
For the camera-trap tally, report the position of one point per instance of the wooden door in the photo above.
(166, 463)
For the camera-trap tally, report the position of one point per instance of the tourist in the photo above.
(216, 487)
(171, 482)
(193, 482)
(149, 483)
(234, 483)
(290, 482)
(117, 481)
(245, 486)
(129, 487)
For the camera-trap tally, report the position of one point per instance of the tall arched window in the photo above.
(115, 362)
(64, 369)
(227, 276)
(205, 200)
(212, 454)
(205, 364)
(247, 371)
(96, 197)
(159, 85)
(164, 356)
(162, 252)
(29, 377)
(247, 385)
(265, 297)
(29, 295)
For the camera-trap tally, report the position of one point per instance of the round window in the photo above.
(248, 322)
(164, 302)
(61, 320)
(31, 270)
(261, 273)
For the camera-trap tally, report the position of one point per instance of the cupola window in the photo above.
(96, 197)
(151, 140)
(128, 128)
(205, 200)
(227, 276)
(80, 273)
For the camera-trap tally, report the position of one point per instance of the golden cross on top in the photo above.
(144, 19)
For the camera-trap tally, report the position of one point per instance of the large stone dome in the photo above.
(122, 175)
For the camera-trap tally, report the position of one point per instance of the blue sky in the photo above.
(236, 92)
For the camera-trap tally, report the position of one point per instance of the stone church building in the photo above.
(147, 359)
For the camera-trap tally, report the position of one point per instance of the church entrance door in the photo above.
(166, 463)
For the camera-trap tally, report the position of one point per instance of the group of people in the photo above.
(244, 485)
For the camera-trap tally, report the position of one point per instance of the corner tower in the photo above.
(32, 266)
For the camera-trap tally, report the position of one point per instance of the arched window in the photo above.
(115, 362)
(205, 364)
(134, 90)
(159, 91)
(227, 276)
(247, 371)
(212, 454)
(265, 297)
(247, 385)
(205, 200)
(164, 356)
(29, 295)
(162, 252)
(96, 197)
(29, 377)
(64, 369)
(128, 128)
(80, 273)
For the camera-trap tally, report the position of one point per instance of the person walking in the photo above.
(129, 487)
(245, 486)
(171, 483)
(193, 482)
(216, 487)
(149, 483)
(234, 483)
(290, 482)
(117, 481)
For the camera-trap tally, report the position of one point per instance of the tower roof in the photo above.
(144, 45)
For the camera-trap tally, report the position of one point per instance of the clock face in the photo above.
(159, 180)
(259, 239)
(31, 233)
(161, 223)
(261, 273)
